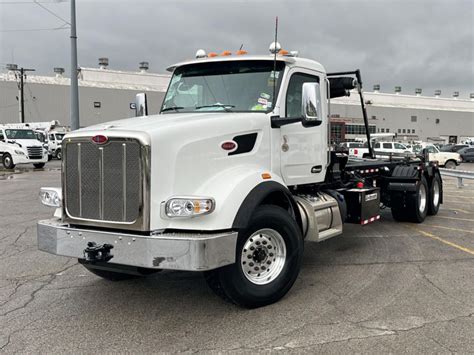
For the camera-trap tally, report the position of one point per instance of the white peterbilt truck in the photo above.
(231, 178)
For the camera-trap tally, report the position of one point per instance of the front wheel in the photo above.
(268, 259)
(39, 165)
(7, 161)
(59, 154)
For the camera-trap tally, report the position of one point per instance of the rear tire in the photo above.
(411, 206)
(450, 164)
(269, 253)
(435, 195)
(7, 161)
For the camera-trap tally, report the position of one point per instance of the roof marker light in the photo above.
(226, 53)
(283, 52)
(212, 55)
(201, 53)
(241, 52)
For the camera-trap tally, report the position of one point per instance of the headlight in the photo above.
(19, 152)
(189, 206)
(50, 196)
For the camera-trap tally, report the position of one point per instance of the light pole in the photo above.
(74, 85)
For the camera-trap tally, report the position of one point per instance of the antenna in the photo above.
(275, 63)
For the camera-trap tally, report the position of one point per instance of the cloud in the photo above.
(427, 44)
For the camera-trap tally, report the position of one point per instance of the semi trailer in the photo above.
(231, 178)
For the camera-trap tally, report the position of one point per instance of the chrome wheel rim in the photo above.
(7, 161)
(422, 198)
(263, 256)
(435, 192)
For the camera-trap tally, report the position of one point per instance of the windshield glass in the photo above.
(20, 134)
(237, 86)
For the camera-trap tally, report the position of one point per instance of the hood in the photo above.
(158, 123)
(23, 143)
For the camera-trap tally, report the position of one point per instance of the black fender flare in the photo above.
(264, 193)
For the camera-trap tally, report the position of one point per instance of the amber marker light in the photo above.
(266, 176)
(212, 55)
(241, 52)
(226, 53)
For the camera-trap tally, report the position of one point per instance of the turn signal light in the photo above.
(266, 176)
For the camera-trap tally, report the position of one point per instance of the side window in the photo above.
(294, 93)
(431, 149)
(387, 146)
(51, 137)
(377, 145)
(1, 136)
(399, 146)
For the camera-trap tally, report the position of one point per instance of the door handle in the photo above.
(316, 169)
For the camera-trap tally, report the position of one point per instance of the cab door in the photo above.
(304, 150)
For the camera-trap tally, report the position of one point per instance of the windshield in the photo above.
(20, 134)
(237, 86)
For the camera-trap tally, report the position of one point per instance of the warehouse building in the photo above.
(106, 94)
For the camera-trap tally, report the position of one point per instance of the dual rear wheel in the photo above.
(415, 206)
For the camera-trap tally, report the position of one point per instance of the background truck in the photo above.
(449, 160)
(231, 178)
(21, 146)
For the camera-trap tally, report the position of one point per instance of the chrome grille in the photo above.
(35, 152)
(104, 182)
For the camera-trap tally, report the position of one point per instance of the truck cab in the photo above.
(231, 178)
(21, 146)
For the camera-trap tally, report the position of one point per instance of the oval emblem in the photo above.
(229, 145)
(100, 139)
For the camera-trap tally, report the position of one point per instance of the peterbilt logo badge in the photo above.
(100, 139)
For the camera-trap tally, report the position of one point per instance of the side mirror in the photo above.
(311, 104)
(141, 106)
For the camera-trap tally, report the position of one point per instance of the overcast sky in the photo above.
(411, 43)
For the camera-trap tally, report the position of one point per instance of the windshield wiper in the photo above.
(175, 108)
(224, 106)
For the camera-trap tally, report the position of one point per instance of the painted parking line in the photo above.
(457, 219)
(449, 228)
(447, 242)
(458, 210)
(456, 196)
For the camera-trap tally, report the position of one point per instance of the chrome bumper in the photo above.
(173, 251)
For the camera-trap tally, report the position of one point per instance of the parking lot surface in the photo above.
(385, 287)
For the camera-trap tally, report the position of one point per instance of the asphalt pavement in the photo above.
(385, 287)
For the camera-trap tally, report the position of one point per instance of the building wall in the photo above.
(428, 122)
(47, 102)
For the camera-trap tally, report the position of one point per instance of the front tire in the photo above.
(59, 154)
(7, 161)
(39, 165)
(268, 259)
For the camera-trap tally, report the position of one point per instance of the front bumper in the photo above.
(23, 159)
(173, 251)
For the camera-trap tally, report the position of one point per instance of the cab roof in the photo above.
(290, 61)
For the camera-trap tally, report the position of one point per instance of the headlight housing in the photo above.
(189, 206)
(50, 196)
(19, 152)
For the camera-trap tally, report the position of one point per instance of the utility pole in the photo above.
(21, 85)
(74, 85)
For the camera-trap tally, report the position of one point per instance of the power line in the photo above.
(51, 12)
(36, 29)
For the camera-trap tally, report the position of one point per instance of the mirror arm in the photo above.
(277, 121)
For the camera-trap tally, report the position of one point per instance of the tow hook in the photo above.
(97, 252)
